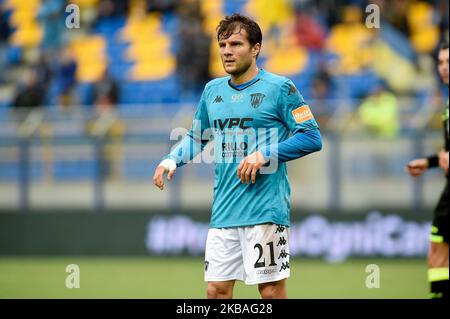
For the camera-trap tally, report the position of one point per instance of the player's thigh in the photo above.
(438, 255)
(266, 253)
(223, 255)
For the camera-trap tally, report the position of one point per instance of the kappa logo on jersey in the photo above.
(206, 265)
(218, 99)
(292, 89)
(302, 114)
(256, 99)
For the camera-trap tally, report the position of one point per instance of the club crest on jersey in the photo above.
(256, 99)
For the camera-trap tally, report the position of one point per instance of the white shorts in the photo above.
(253, 254)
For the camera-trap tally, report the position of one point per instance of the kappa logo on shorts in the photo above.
(206, 265)
(302, 114)
(280, 229)
(282, 241)
(283, 254)
(284, 266)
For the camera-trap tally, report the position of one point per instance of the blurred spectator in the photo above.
(112, 8)
(379, 113)
(30, 93)
(5, 31)
(43, 70)
(350, 41)
(310, 34)
(193, 49)
(395, 13)
(51, 17)
(106, 92)
(65, 78)
(163, 6)
(322, 97)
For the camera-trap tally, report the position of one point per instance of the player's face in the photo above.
(443, 65)
(236, 52)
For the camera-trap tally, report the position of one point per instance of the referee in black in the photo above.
(438, 251)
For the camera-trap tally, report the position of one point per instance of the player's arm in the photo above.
(298, 145)
(300, 121)
(191, 145)
(418, 166)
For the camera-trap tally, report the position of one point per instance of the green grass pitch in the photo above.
(182, 278)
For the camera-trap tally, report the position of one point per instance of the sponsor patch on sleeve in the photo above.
(302, 114)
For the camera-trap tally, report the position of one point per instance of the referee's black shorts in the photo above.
(439, 229)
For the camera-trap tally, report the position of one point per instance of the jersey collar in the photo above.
(245, 85)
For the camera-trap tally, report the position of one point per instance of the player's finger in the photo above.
(170, 174)
(239, 169)
(253, 176)
(242, 173)
(158, 177)
(159, 181)
(248, 172)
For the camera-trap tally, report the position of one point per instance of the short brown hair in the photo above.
(227, 26)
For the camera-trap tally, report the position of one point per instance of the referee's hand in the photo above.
(417, 167)
(158, 179)
(249, 166)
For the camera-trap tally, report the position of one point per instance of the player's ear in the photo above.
(256, 49)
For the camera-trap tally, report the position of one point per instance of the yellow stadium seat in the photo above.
(28, 4)
(20, 17)
(89, 52)
(424, 35)
(90, 72)
(287, 61)
(138, 28)
(28, 35)
(85, 4)
(209, 7)
(155, 70)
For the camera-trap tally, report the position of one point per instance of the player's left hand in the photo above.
(443, 160)
(249, 166)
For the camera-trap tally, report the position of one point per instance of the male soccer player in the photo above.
(438, 251)
(250, 115)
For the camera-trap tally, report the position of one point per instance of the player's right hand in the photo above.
(163, 168)
(417, 167)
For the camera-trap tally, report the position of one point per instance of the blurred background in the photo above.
(89, 96)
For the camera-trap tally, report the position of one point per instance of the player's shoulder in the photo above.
(275, 79)
(217, 82)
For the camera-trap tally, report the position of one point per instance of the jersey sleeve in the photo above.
(293, 110)
(196, 139)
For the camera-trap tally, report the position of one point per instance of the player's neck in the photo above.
(245, 77)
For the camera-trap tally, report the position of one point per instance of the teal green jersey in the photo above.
(240, 121)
